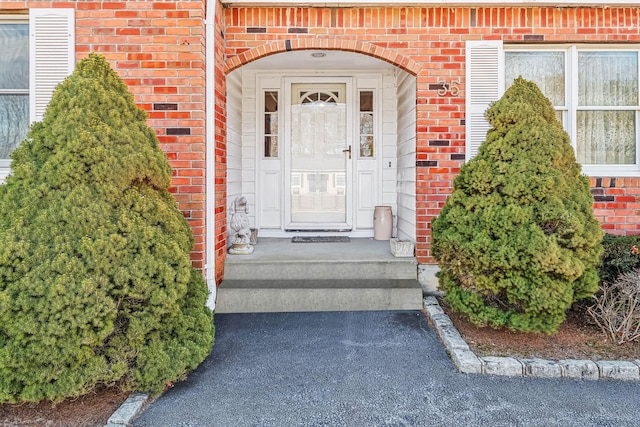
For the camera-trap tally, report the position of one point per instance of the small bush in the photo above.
(617, 308)
(517, 241)
(96, 283)
(621, 255)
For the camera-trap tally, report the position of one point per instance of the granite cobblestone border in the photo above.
(466, 360)
(124, 415)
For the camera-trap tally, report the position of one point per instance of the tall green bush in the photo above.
(517, 241)
(96, 284)
(621, 255)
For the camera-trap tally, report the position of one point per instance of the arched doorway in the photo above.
(317, 138)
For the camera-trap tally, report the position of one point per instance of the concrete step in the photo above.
(399, 269)
(259, 296)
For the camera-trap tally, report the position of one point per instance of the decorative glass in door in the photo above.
(319, 156)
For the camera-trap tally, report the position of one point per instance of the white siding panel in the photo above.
(390, 143)
(485, 84)
(51, 54)
(246, 87)
(406, 176)
(234, 139)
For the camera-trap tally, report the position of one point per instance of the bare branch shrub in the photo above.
(617, 308)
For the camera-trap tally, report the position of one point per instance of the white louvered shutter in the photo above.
(51, 55)
(484, 84)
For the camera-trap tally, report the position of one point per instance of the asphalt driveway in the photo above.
(368, 369)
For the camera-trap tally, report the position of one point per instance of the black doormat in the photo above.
(320, 239)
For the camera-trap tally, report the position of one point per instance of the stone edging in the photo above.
(466, 361)
(128, 410)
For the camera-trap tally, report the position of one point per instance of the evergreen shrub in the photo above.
(96, 284)
(621, 255)
(517, 241)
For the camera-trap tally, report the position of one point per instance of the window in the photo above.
(544, 68)
(37, 54)
(607, 107)
(366, 123)
(596, 94)
(271, 124)
(14, 85)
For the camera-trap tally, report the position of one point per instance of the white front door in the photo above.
(318, 157)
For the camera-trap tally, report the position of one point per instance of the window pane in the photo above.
(606, 137)
(366, 100)
(14, 122)
(366, 146)
(271, 146)
(270, 102)
(560, 117)
(14, 56)
(546, 69)
(271, 124)
(607, 78)
(366, 123)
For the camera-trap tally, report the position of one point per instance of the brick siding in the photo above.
(158, 48)
(429, 42)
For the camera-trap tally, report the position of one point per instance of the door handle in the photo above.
(348, 150)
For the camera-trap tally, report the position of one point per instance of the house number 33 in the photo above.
(450, 88)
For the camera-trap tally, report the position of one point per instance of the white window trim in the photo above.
(51, 58)
(571, 88)
(5, 164)
(612, 169)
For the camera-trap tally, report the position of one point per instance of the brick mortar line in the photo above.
(466, 360)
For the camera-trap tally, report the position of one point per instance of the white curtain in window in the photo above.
(14, 122)
(14, 86)
(607, 136)
(546, 69)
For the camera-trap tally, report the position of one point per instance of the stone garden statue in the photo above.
(239, 224)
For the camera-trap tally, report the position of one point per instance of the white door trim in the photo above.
(263, 177)
(286, 148)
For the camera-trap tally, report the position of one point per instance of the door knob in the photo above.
(348, 150)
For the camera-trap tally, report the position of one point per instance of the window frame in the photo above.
(262, 126)
(17, 18)
(571, 108)
(47, 67)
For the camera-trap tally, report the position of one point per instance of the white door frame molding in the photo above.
(288, 83)
(270, 170)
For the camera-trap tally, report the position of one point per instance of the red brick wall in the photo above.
(220, 125)
(617, 204)
(429, 42)
(157, 47)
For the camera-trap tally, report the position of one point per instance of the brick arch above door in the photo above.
(273, 47)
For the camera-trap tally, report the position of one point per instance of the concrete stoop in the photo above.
(280, 276)
(401, 269)
(258, 296)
